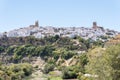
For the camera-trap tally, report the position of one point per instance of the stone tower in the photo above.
(36, 23)
(94, 25)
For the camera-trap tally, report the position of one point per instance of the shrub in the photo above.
(69, 73)
(48, 68)
(15, 71)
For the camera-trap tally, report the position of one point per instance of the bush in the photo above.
(48, 68)
(69, 72)
(54, 78)
(15, 71)
(67, 54)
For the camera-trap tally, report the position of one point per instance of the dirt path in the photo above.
(37, 74)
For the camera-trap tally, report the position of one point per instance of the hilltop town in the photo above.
(95, 32)
(52, 53)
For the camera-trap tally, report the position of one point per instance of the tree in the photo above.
(47, 51)
(112, 58)
(104, 63)
(68, 74)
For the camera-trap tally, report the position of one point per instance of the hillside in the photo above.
(68, 55)
(53, 51)
(114, 41)
(54, 57)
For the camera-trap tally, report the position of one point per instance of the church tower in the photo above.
(94, 25)
(36, 23)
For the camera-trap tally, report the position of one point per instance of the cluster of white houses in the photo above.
(94, 33)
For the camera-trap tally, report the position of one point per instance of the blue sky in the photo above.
(59, 13)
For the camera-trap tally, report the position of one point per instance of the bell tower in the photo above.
(36, 23)
(94, 25)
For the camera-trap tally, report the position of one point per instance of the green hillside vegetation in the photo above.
(15, 71)
(104, 64)
(45, 48)
(73, 57)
